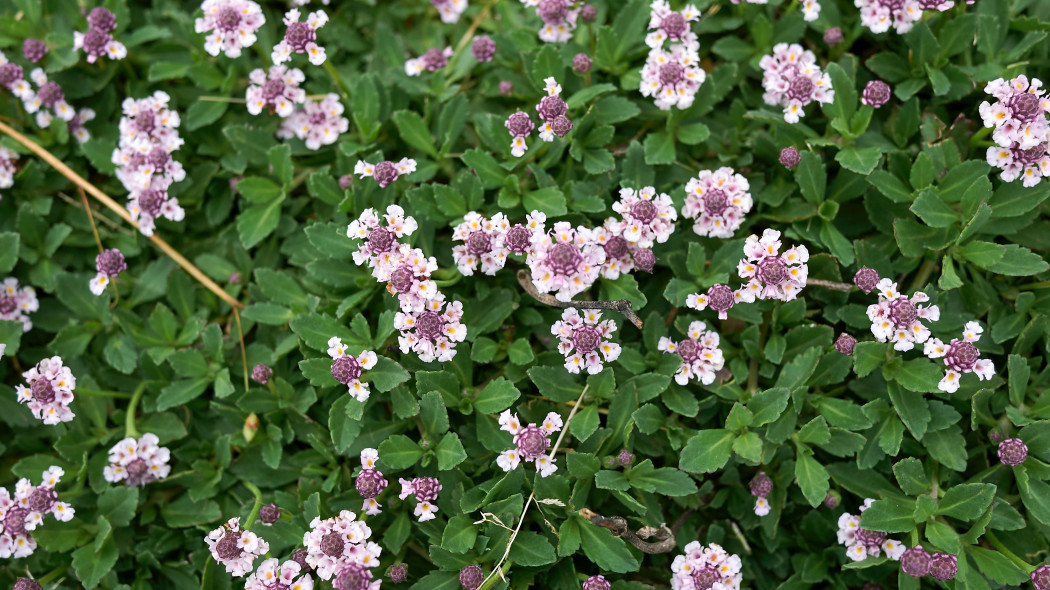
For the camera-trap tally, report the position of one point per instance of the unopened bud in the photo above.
(251, 426)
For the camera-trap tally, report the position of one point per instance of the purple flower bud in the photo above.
(434, 59)
(229, 546)
(915, 562)
(299, 35)
(484, 48)
(581, 63)
(789, 157)
(34, 49)
(801, 88)
(353, 576)
(28, 584)
(866, 279)
(1041, 577)
(833, 36)
(961, 356)
(426, 488)
(346, 370)
(397, 573)
(671, 73)
(332, 544)
(110, 263)
(995, 436)
(95, 41)
(102, 19)
(551, 107)
(943, 566)
(532, 442)
(479, 243)
(43, 499)
(471, 577)
(870, 538)
(519, 124)
(705, 577)
(385, 173)
(761, 485)
(596, 583)
(1012, 451)
(269, 513)
(720, 298)
(517, 239)
(876, 94)
(564, 259)
(625, 457)
(9, 74)
(772, 271)
(831, 500)
(644, 259)
(674, 25)
(381, 239)
(370, 483)
(15, 521)
(561, 126)
(506, 87)
(553, 12)
(903, 312)
(299, 556)
(345, 181)
(235, 278)
(588, 13)
(429, 325)
(845, 344)
(50, 94)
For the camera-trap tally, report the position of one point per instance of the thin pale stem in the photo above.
(622, 305)
(98, 393)
(129, 417)
(254, 514)
(98, 240)
(120, 211)
(244, 355)
(1028, 569)
(845, 287)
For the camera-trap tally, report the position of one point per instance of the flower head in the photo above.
(370, 481)
(261, 374)
(346, 368)
(22, 513)
(771, 275)
(471, 577)
(16, 303)
(530, 443)
(519, 237)
(876, 94)
(49, 100)
(719, 298)
(960, 357)
(337, 542)
(269, 514)
(596, 583)
(1013, 451)
(880, 15)
(274, 575)
(559, 19)
(705, 567)
(581, 63)
(863, 543)
(230, 24)
(1041, 577)
(792, 79)
(833, 36)
(483, 242)
(845, 343)
(915, 562)
(425, 490)
(701, 357)
(97, 42)
(8, 167)
(672, 76)
(898, 319)
(109, 264)
(379, 235)
(431, 61)
(666, 24)
(717, 202)
(276, 89)
(565, 261)
(648, 218)
(137, 462)
(450, 10)
(789, 157)
(866, 279)
(943, 566)
(49, 392)
(433, 333)
(317, 123)
(406, 271)
(483, 48)
(34, 50)
(584, 339)
(235, 549)
(301, 37)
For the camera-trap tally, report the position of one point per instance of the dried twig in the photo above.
(846, 287)
(617, 525)
(621, 305)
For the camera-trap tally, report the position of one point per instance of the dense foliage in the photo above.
(495, 430)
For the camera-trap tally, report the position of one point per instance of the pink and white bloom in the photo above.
(8, 163)
(450, 10)
(337, 542)
(672, 77)
(717, 202)
(792, 79)
(701, 357)
(898, 319)
(76, 125)
(771, 275)
(16, 303)
(518, 238)
(530, 443)
(559, 19)
(880, 15)
(385, 172)
(619, 253)
(317, 123)
(230, 24)
(235, 549)
(379, 235)
(706, 567)
(50, 391)
(861, 543)
(433, 333)
(719, 298)
(810, 10)
(1019, 115)
(960, 357)
(277, 90)
(482, 243)
(425, 490)
(665, 24)
(22, 513)
(48, 101)
(300, 37)
(97, 43)
(274, 575)
(137, 462)
(761, 507)
(648, 218)
(347, 368)
(581, 339)
(406, 272)
(1031, 165)
(432, 60)
(370, 482)
(565, 261)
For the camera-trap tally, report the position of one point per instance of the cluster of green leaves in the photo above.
(903, 189)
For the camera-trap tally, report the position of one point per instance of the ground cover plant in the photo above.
(524, 294)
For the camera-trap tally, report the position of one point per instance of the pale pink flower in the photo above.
(717, 202)
(707, 567)
(648, 218)
(379, 235)
(317, 123)
(50, 391)
(230, 24)
(235, 549)
(274, 575)
(301, 37)
(792, 79)
(898, 319)
(16, 303)
(960, 357)
(433, 333)
(450, 10)
(347, 368)
(482, 243)
(278, 90)
(137, 462)
(565, 260)
(337, 542)
(700, 354)
(584, 340)
(385, 172)
(771, 275)
(665, 24)
(672, 77)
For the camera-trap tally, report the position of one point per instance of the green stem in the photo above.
(981, 134)
(449, 282)
(494, 579)
(97, 393)
(328, 67)
(1028, 569)
(51, 575)
(258, 501)
(924, 274)
(129, 417)
(1033, 286)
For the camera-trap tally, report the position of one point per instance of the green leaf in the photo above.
(449, 451)
(584, 423)
(943, 536)
(413, 129)
(812, 478)
(387, 374)
(859, 160)
(118, 505)
(460, 534)
(967, 501)
(532, 550)
(911, 476)
(1035, 495)
(204, 112)
(90, 565)
(997, 566)
(667, 481)
(399, 452)
(434, 414)
(912, 409)
(257, 222)
(182, 391)
(812, 177)
(9, 245)
(659, 148)
(933, 211)
(606, 551)
(259, 190)
(867, 356)
(920, 375)
(548, 200)
(768, 405)
(497, 396)
(552, 382)
(707, 451)
(1018, 261)
(487, 168)
(889, 516)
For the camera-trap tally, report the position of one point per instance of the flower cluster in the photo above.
(339, 542)
(22, 513)
(138, 462)
(301, 37)
(862, 543)
(148, 136)
(16, 303)
(771, 275)
(434, 332)
(960, 357)
(666, 24)
(565, 260)
(76, 125)
(552, 112)
(876, 94)
(235, 549)
(450, 10)
(582, 337)
(520, 126)
(619, 253)
(385, 172)
(34, 50)
(346, 368)
(274, 575)
(518, 238)
(530, 443)
(917, 563)
(483, 242)
(425, 490)
(317, 122)
(792, 79)
(97, 42)
(559, 18)
(672, 76)
(8, 167)
(471, 577)
(717, 202)
(810, 8)
(1021, 130)
(230, 24)
(880, 15)
(432, 60)
(719, 298)
(705, 568)
(596, 583)
(483, 48)
(277, 90)
(406, 272)
(48, 101)
(49, 392)
(12, 77)
(701, 357)
(1012, 451)
(761, 485)
(109, 264)
(897, 319)
(370, 482)
(648, 218)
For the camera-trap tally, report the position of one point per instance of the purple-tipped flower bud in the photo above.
(102, 19)
(1041, 577)
(484, 48)
(471, 577)
(353, 576)
(551, 107)
(625, 457)
(345, 181)
(235, 278)
(434, 59)
(9, 74)
(370, 483)
(397, 573)
(761, 485)
(833, 36)
(553, 12)
(506, 87)
(30, 584)
(110, 263)
(561, 126)
(876, 94)
(384, 174)
(995, 436)
(426, 488)
(943, 566)
(299, 556)
(34, 50)
(346, 369)
(261, 374)
(581, 63)
(644, 259)
(269, 514)
(588, 13)
(519, 124)
(831, 500)
(845, 344)
(915, 562)
(1013, 451)
(866, 279)
(789, 157)
(596, 583)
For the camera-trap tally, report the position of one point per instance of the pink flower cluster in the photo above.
(792, 79)
(559, 18)
(707, 567)
(701, 357)
(450, 10)
(432, 60)
(347, 368)
(98, 41)
(274, 575)
(370, 482)
(16, 303)
(380, 235)
(301, 37)
(861, 543)
(761, 485)
(530, 443)
(230, 24)
(648, 218)
(897, 319)
(138, 462)
(582, 337)
(8, 163)
(339, 542)
(48, 101)
(235, 549)
(880, 15)
(717, 202)
(22, 513)
(771, 275)
(483, 242)
(277, 90)
(49, 392)
(960, 357)
(433, 333)
(565, 260)
(672, 76)
(425, 490)
(148, 136)
(385, 172)
(406, 272)
(666, 24)
(1021, 130)
(317, 122)
(552, 112)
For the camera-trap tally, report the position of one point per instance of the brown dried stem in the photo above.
(845, 287)
(621, 305)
